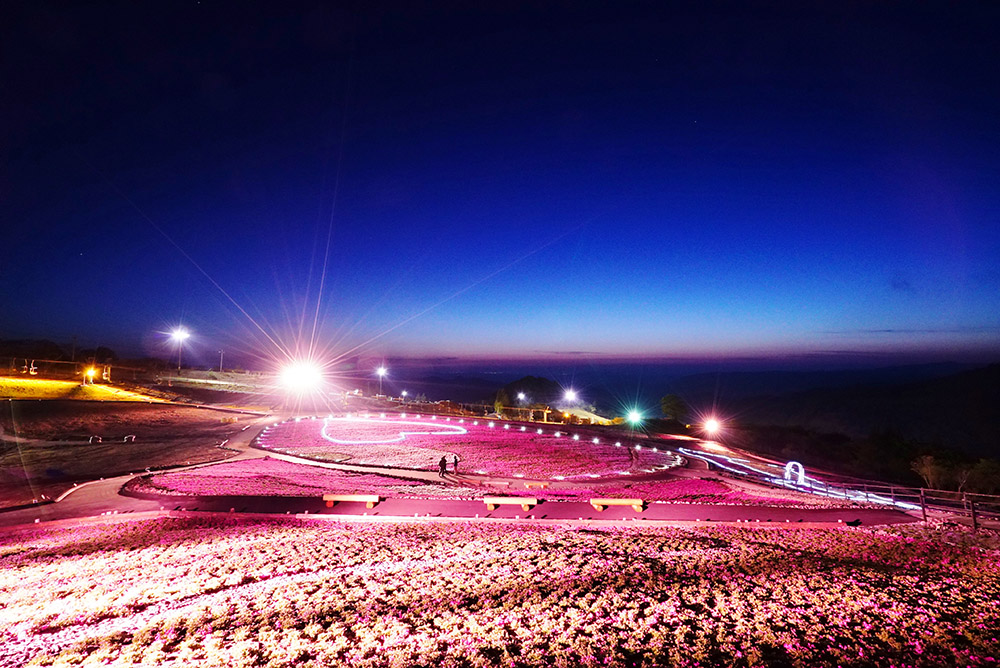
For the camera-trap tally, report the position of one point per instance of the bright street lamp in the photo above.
(180, 335)
(521, 396)
(571, 395)
(634, 417)
(302, 377)
(712, 426)
(380, 372)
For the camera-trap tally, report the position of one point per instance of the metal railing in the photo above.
(976, 507)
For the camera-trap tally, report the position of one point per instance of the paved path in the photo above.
(101, 496)
(546, 510)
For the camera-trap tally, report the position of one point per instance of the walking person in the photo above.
(454, 463)
(442, 467)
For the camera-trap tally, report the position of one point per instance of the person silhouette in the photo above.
(454, 463)
(442, 467)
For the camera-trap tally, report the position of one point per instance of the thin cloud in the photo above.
(982, 329)
(572, 353)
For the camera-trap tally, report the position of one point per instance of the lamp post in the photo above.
(522, 399)
(220, 360)
(570, 397)
(180, 335)
(380, 372)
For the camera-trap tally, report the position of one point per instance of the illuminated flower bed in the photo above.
(305, 438)
(679, 490)
(368, 430)
(273, 477)
(502, 449)
(250, 593)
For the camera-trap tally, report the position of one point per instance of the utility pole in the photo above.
(220, 360)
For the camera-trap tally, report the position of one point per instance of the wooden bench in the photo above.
(497, 483)
(493, 501)
(638, 505)
(539, 485)
(370, 500)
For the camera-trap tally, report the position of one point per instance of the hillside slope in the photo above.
(960, 410)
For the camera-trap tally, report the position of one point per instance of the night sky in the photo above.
(539, 180)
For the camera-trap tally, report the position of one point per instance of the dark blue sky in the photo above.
(543, 180)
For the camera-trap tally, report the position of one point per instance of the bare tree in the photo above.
(929, 469)
(961, 476)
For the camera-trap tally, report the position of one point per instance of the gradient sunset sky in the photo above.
(539, 180)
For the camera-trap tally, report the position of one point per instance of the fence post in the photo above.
(892, 491)
(923, 505)
(864, 487)
(975, 523)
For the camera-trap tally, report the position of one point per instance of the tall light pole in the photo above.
(180, 335)
(220, 360)
(381, 371)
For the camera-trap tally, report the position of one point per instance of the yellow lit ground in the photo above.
(17, 387)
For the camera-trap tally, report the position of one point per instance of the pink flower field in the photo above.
(217, 592)
(493, 448)
(273, 477)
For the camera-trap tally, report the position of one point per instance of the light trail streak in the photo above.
(812, 486)
(442, 430)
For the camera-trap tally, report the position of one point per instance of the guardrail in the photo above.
(976, 507)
